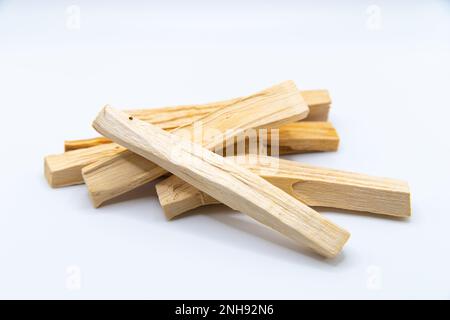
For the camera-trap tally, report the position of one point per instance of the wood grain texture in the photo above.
(319, 102)
(126, 171)
(173, 117)
(70, 145)
(224, 180)
(307, 136)
(314, 186)
(65, 169)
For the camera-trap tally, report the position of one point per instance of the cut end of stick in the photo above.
(103, 186)
(65, 169)
(97, 198)
(96, 202)
(176, 203)
(102, 117)
(48, 172)
(167, 205)
(338, 245)
(407, 212)
(57, 176)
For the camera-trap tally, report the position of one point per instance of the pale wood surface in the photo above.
(224, 180)
(319, 102)
(173, 117)
(126, 171)
(312, 185)
(65, 169)
(307, 136)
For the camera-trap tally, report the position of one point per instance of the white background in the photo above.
(387, 68)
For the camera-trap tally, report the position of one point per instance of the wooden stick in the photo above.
(313, 186)
(298, 137)
(307, 136)
(126, 171)
(173, 117)
(319, 102)
(70, 145)
(65, 169)
(224, 180)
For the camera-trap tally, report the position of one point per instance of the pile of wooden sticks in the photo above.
(139, 146)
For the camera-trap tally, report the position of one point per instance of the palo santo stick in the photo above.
(126, 171)
(319, 102)
(297, 137)
(65, 169)
(313, 186)
(224, 180)
(307, 136)
(70, 145)
(173, 117)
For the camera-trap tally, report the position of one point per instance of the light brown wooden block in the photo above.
(65, 169)
(224, 180)
(70, 145)
(307, 136)
(126, 171)
(298, 137)
(173, 117)
(314, 186)
(319, 102)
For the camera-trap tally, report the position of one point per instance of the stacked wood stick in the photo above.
(227, 152)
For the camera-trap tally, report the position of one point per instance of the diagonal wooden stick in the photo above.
(126, 171)
(224, 180)
(314, 186)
